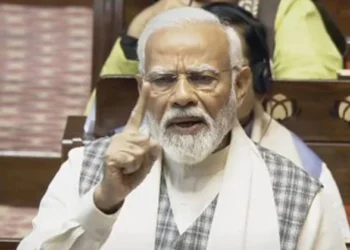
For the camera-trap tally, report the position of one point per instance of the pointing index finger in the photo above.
(138, 113)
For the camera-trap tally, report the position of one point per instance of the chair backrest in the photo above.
(111, 18)
(319, 112)
(115, 99)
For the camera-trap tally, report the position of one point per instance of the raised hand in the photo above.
(128, 159)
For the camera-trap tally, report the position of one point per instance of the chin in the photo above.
(184, 158)
(188, 148)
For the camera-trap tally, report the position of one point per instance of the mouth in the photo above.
(186, 125)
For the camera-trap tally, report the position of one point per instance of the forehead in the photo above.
(178, 48)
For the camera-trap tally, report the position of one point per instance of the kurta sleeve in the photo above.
(65, 220)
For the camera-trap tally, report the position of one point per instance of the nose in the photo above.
(184, 94)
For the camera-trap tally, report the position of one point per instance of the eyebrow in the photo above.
(203, 68)
(159, 70)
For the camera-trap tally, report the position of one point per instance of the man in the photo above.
(192, 179)
(259, 125)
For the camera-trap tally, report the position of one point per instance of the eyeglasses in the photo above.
(206, 80)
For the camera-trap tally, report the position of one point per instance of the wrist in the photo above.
(104, 204)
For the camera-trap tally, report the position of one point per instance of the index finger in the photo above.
(138, 113)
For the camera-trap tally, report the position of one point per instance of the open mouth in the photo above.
(186, 125)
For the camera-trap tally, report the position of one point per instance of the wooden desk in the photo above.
(9, 244)
(24, 179)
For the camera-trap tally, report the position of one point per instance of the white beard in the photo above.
(192, 149)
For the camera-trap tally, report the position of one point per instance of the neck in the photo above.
(244, 121)
(224, 143)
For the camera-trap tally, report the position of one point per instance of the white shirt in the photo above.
(67, 221)
(191, 189)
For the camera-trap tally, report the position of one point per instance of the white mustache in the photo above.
(179, 113)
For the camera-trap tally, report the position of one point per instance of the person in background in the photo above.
(189, 177)
(299, 43)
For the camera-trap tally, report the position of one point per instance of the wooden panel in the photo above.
(337, 158)
(24, 179)
(9, 244)
(115, 98)
(111, 18)
(315, 103)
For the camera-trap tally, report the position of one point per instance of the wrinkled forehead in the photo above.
(187, 46)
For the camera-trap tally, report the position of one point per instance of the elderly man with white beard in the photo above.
(189, 178)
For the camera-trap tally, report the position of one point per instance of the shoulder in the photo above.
(284, 173)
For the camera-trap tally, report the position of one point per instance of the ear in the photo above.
(139, 80)
(244, 81)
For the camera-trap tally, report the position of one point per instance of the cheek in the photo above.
(157, 105)
(216, 100)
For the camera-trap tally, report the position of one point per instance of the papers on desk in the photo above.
(344, 74)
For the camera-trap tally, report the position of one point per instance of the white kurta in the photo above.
(67, 221)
